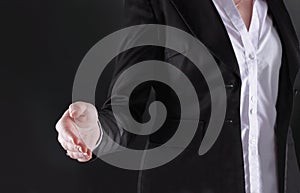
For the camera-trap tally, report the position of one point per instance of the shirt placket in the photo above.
(251, 46)
(249, 69)
(254, 165)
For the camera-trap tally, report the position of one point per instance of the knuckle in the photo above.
(67, 127)
(71, 155)
(71, 147)
(62, 125)
(63, 144)
(59, 139)
(70, 139)
(63, 136)
(58, 126)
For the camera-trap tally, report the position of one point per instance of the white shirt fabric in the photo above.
(259, 52)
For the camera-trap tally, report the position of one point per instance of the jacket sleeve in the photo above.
(136, 12)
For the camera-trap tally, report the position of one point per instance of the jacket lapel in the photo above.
(204, 22)
(287, 34)
(291, 60)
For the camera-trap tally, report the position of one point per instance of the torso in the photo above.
(245, 8)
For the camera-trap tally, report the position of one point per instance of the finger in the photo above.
(69, 146)
(77, 109)
(66, 128)
(79, 147)
(75, 144)
(76, 155)
(70, 140)
(71, 155)
(87, 158)
(84, 160)
(58, 125)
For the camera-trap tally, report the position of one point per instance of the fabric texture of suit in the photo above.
(221, 169)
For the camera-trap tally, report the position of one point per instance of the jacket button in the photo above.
(229, 121)
(296, 92)
(229, 85)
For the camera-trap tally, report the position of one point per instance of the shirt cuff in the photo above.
(101, 135)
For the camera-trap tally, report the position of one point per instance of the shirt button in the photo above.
(251, 56)
(251, 111)
(252, 99)
(253, 152)
(252, 142)
(229, 85)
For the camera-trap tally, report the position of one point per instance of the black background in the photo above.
(42, 44)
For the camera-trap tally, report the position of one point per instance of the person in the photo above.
(257, 51)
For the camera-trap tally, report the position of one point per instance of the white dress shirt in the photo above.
(258, 52)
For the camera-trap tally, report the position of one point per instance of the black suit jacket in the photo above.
(221, 170)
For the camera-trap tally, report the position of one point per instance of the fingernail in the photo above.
(80, 149)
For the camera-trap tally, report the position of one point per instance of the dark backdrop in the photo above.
(42, 44)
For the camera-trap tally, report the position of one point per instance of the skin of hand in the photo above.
(78, 130)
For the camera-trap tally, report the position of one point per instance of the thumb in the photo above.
(77, 109)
